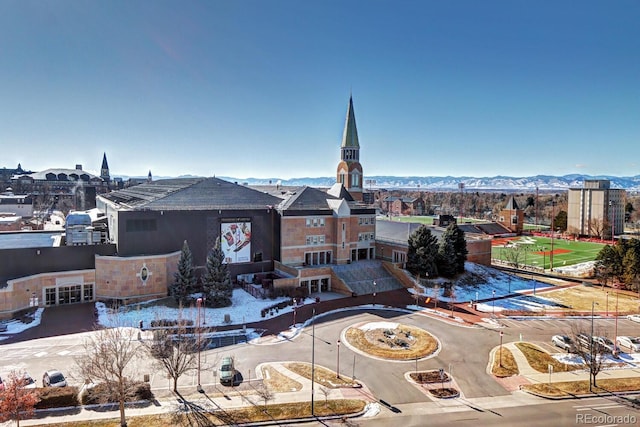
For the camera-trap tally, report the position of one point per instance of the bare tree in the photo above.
(515, 254)
(107, 359)
(597, 228)
(174, 351)
(592, 354)
(325, 392)
(265, 394)
(16, 402)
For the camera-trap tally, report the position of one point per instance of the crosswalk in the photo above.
(560, 323)
(26, 353)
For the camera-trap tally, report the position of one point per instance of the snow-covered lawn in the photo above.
(245, 309)
(496, 284)
(16, 326)
(623, 361)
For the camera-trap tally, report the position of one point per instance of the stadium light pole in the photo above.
(553, 231)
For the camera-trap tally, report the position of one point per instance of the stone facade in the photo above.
(134, 279)
(30, 291)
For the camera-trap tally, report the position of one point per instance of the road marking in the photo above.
(63, 352)
(40, 354)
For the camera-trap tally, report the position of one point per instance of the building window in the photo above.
(315, 222)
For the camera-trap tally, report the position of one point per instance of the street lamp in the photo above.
(493, 300)
(338, 364)
(199, 304)
(607, 305)
(294, 311)
(591, 350)
(500, 349)
(374, 293)
(553, 213)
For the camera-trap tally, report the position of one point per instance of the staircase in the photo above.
(359, 277)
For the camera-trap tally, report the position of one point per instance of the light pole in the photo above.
(199, 304)
(500, 349)
(553, 212)
(374, 293)
(607, 305)
(613, 222)
(591, 350)
(204, 311)
(616, 332)
(338, 364)
(313, 356)
(294, 312)
(493, 301)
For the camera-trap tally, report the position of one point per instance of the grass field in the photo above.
(538, 253)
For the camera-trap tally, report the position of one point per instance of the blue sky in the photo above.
(260, 88)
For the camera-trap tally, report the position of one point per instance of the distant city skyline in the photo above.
(254, 89)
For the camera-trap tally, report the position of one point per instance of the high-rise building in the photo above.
(596, 210)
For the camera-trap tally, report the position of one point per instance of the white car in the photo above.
(634, 317)
(28, 382)
(606, 345)
(53, 378)
(564, 342)
(632, 343)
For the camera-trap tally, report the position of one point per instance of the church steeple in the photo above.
(349, 171)
(104, 170)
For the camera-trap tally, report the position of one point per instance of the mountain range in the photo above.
(451, 183)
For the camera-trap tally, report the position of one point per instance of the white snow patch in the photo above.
(16, 326)
(371, 409)
(378, 325)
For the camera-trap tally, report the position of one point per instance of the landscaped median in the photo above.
(581, 388)
(540, 360)
(504, 364)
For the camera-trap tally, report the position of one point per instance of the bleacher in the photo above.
(359, 277)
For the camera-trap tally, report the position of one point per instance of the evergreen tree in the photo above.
(422, 253)
(184, 279)
(452, 251)
(217, 280)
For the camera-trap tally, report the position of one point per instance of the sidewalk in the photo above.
(213, 399)
(528, 375)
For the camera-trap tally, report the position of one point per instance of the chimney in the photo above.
(78, 167)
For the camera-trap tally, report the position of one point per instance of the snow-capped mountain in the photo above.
(448, 183)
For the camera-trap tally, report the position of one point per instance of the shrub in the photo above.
(170, 322)
(57, 397)
(102, 393)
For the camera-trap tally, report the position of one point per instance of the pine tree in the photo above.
(185, 279)
(452, 252)
(217, 280)
(422, 253)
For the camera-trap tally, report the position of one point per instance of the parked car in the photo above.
(634, 317)
(27, 381)
(633, 343)
(584, 341)
(606, 345)
(564, 342)
(3, 327)
(227, 370)
(53, 378)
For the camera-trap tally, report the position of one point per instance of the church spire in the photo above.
(350, 134)
(349, 171)
(104, 170)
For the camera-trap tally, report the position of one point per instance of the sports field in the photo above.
(537, 251)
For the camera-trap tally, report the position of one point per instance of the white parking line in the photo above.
(63, 352)
(40, 354)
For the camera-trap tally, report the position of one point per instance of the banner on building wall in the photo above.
(236, 241)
